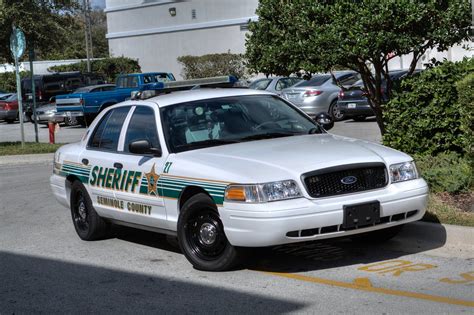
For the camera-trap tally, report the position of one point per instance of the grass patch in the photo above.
(440, 211)
(14, 148)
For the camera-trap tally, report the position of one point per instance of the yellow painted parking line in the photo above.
(364, 284)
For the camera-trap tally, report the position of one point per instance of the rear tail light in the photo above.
(81, 101)
(7, 106)
(341, 94)
(312, 93)
(40, 95)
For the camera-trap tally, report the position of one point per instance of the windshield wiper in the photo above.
(268, 135)
(210, 142)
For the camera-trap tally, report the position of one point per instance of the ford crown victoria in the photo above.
(227, 169)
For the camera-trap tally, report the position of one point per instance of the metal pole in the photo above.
(89, 29)
(87, 37)
(20, 105)
(33, 90)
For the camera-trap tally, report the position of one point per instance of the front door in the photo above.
(143, 204)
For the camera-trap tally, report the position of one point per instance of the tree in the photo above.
(362, 35)
(43, 21)
(56, 27)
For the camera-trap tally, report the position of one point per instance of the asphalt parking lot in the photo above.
(366, 130)
(45, 267)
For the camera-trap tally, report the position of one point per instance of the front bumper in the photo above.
(58, 186)
(8, 114)
(60, 116)
(255, 225)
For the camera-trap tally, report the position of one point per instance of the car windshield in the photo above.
(8, 97)
(261, 84)
(314, 81)
(218, 121)
(82, 90)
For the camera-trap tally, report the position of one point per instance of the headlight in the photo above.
(256, 193)
(403, 171)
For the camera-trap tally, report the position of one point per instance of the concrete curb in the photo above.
(440, 239)
(26, 159)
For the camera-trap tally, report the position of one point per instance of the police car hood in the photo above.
(283, 158)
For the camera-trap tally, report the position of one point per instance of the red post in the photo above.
(51, 128)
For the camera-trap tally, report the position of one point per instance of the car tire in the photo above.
(201, 236)
(378, 236)
(334, 112)
(70, 121)
(359, 118)
(88, 224)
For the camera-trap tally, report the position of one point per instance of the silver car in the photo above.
(319, 94)
(274, 84)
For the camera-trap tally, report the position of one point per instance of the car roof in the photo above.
(202, 94)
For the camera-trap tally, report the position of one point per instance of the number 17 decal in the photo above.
(167, 167)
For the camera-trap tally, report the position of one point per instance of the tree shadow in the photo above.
(38, 285)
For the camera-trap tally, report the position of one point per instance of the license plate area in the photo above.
(351, 105)
(361, 215)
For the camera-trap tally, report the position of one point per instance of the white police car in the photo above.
(229, 168)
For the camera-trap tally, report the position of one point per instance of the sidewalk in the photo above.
(46, 158)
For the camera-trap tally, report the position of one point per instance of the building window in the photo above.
(193, 14)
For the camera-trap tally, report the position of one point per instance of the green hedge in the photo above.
(427, 118)
(213, 65)
(8, 80)
(465, 90)
(446, 172)
(109, 67)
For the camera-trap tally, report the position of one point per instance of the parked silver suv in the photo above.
(320, 93)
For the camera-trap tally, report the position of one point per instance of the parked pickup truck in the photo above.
(85, 106)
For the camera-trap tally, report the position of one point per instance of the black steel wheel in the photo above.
(202, 238)
(88, 224)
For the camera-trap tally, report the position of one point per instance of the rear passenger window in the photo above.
(106, 134)
(142, 126)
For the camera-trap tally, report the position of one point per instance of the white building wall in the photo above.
(145, 30)
(148, 32)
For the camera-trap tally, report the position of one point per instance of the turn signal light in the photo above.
(236, 193)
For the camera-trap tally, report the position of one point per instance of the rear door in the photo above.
(143, 205)
(102, 161)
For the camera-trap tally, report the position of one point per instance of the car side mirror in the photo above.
(143, 147)
(324, 120)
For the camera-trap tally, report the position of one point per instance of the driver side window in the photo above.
(142, 126)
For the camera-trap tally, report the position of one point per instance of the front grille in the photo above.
(345, 179)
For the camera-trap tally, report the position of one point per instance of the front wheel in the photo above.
(201, 236)
(88, 224)
(335, 112)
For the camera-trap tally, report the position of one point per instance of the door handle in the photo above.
(85, 161)
(118, 165)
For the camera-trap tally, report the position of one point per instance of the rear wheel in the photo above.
(201, 236)
(334, 111)
(88, 224)
(378, 236)
(70, 121)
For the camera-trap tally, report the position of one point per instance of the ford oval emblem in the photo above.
(349, 180)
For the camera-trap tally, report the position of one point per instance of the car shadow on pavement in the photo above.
(328, 254)
(38, 285)
(314, 255)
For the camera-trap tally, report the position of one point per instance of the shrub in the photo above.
(446, 172)
(8, 80)
(213, 65)
(109, 67)
(465, 90)
(427, 117)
